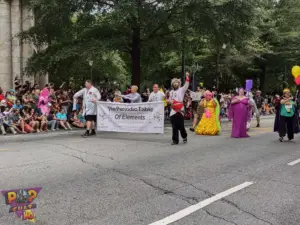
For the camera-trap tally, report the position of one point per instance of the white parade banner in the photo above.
(147, 117)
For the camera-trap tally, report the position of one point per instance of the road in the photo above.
(138, 179)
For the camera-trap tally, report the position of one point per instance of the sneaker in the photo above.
(86, 134)
(258, 125)
(53, 130)
(184, 140)
(174, 143)
(57, 129)
(192, 129)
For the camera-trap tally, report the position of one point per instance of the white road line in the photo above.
(294, 162)
(191, 209)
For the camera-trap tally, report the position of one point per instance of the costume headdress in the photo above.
(174, 80)
(208, 94)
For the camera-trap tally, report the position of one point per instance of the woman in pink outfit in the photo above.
(44, 101)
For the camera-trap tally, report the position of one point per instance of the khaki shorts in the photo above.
(194, 107)
(200, 111)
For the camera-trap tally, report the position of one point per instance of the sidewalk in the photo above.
(77, 132)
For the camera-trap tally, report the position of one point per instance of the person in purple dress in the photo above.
(239, 114)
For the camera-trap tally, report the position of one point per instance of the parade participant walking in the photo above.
(196, 98)
(276, 103)
(287, 116)
(177, 109)
(259, 101)
(133, 97)
(156, 95)
(210, 121)
(239, 113)
(90, 96)
(253, 109)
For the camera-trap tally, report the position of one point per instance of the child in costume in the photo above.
(210, 121)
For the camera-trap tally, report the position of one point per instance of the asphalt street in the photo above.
(139, 179)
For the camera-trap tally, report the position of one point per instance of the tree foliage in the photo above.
(147, 41)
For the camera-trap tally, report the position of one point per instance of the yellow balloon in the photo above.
(296, 71)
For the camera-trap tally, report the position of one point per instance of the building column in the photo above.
(26, 49)
(6, 80)
(16, 28)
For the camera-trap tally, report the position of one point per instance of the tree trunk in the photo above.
(218, 68)
(262, 79)
(136, 57)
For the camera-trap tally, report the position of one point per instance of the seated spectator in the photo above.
(81, 117)
(2, 97)
(2, 116)
(62, 119)
(18, 105)
(11, 98)
(43, 122)
(52, 121)
(30, 119)
(76, 122)
(7, 120)
(28, 99)
(18, 121)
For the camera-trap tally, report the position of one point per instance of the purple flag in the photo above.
(249, 85)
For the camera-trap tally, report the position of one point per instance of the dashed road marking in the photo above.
(191, 209)
(294, 162)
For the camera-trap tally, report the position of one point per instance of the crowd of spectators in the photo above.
(20, 110)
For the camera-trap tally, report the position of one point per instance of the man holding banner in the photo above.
(177, 111)
(156, 95)
(90, 96)
(134, 96)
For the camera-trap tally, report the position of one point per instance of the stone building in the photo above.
(14, 18)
